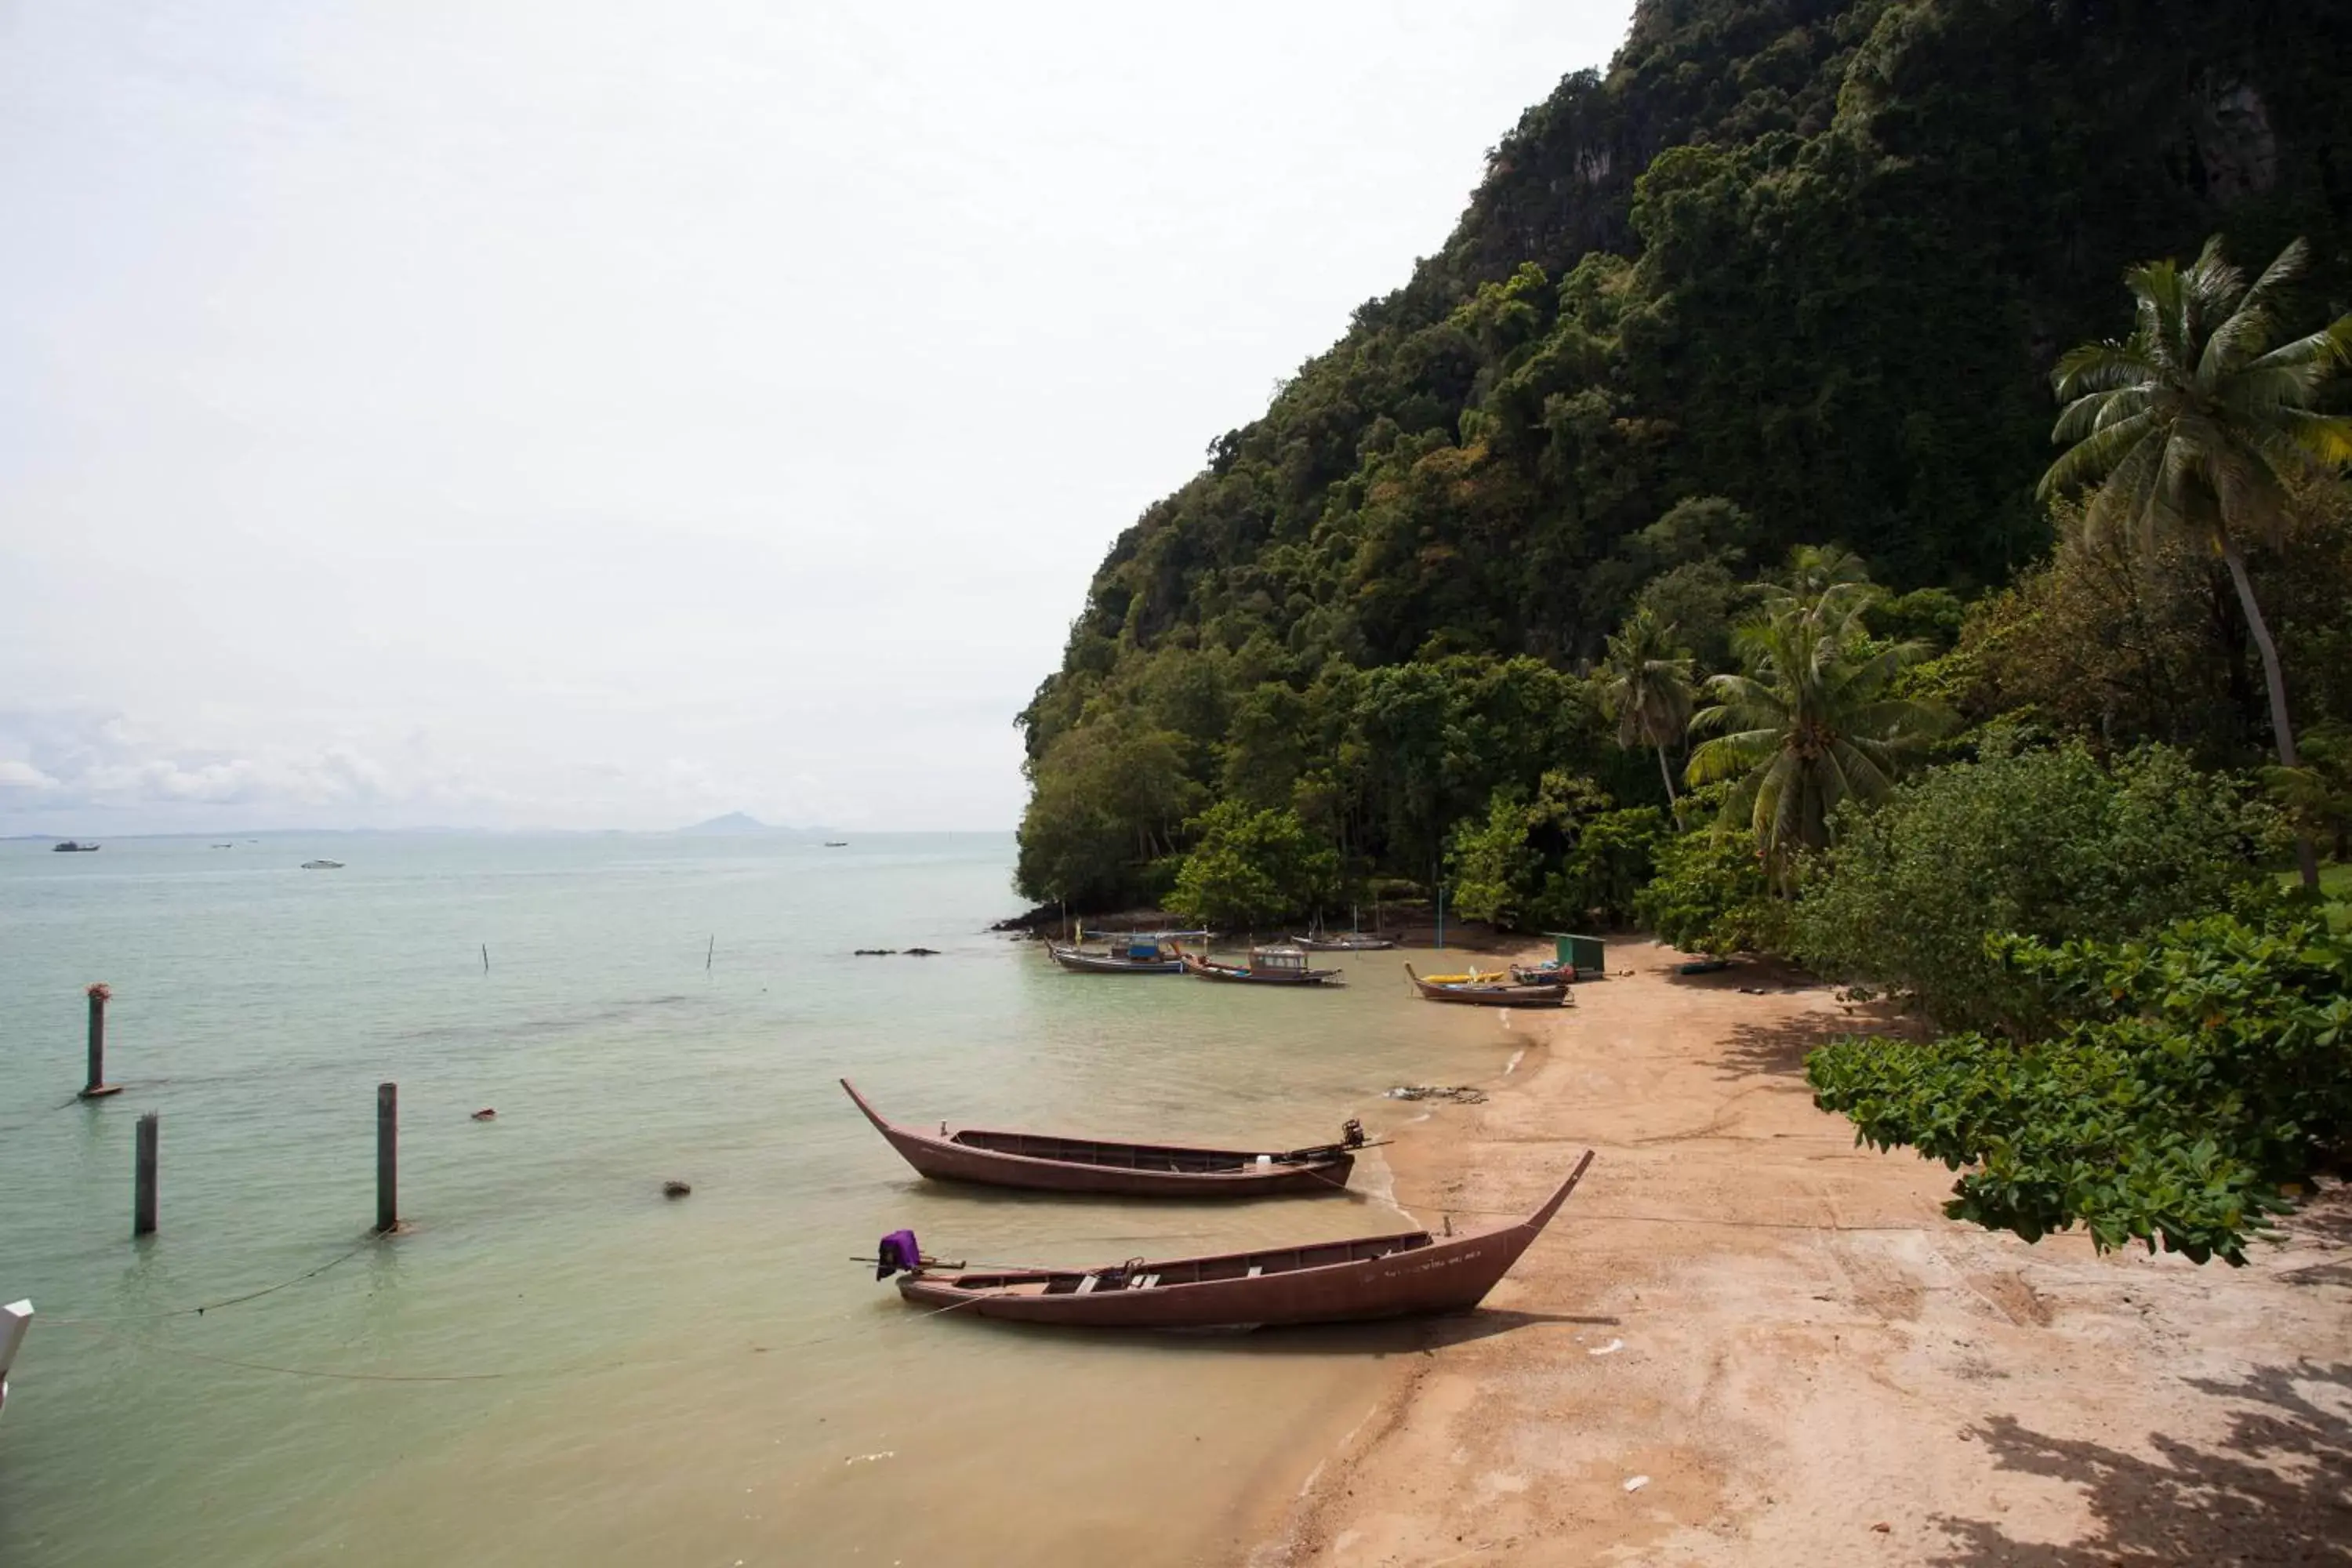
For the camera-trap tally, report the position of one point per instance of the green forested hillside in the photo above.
(1789, 272)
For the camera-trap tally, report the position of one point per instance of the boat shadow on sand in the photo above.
(1384, 1337)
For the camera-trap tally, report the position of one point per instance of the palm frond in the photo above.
(2095, 456)
(2102, 367)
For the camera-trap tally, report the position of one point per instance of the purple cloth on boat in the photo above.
(897, 1251)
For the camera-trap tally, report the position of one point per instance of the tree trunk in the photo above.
(1668, 774)
(2306, 858)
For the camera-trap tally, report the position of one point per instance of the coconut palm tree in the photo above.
(1827, 581)
(1809, 725)
(2195, 423)
(1646, 687)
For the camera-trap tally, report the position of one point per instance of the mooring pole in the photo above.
(97, 1086)
(387, 1158)
(142, 1175)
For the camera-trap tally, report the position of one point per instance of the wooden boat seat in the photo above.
(1086, 1285)
(1256, 1269)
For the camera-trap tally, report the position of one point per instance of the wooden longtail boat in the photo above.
(1488, 992)
(1141, 953)
(1345, 942)
(1043, 1163)
(1332, 1282)
(1267, 966)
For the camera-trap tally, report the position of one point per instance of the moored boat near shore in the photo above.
(1345, 942)
(1480, 991)
(1267, 966)
(1139, 953)
(1373, 1276)
(1048, 1163)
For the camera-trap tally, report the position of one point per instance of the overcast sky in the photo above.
(580, 414)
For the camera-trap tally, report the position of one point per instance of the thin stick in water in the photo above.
(710, 953)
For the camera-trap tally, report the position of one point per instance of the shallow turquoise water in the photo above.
(557, 1363)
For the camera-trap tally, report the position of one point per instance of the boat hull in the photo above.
(1554, 996)
(1406, 1275)
(948, 1160)
(1080, 962)
(15, 1319)
(1369, 944)
(1201, 969)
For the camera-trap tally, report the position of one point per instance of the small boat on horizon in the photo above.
(322, 864)
(15, 1319)
(1487, 991)
(1267, 966)
(1048, 1163)
(836, 844)
(1356, 1281)
(70, 846)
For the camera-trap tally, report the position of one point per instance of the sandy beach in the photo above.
(1746, 1341)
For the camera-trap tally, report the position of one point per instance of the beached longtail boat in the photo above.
(15, 1319)
(1267, 966)
(1484, 992)
(1330, 1282)
(1046, 1162)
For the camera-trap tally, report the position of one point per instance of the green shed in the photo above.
(1585, 956)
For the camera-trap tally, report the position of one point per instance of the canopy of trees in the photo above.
(1790, 271)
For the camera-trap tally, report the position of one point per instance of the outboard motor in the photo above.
(897, 1252)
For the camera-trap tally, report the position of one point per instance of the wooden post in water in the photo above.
(387, 1158)
(142, 1178)
(485, 958)
(98, 1086)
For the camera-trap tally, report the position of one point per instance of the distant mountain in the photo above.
(743, 822)
(733, 822)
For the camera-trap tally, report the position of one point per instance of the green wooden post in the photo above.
(142, 1175)
(387, 1158)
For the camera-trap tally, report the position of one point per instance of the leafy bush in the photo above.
(2048, 844)
(1711, 895)
(1251, 866)
(1560, 859)
(2196, 1070)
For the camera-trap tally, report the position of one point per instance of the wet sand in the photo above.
(1746, 1340)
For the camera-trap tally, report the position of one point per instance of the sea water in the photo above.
(556, 1363)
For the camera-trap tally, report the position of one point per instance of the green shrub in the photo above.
(1711, 895)
(2191, 1074)
(2048, 844)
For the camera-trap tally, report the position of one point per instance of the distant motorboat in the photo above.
(67, 846)
(15, 1319)
(836, 844)
(322, 864)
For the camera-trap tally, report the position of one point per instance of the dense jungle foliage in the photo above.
(1790, 271)
(1832, 495)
